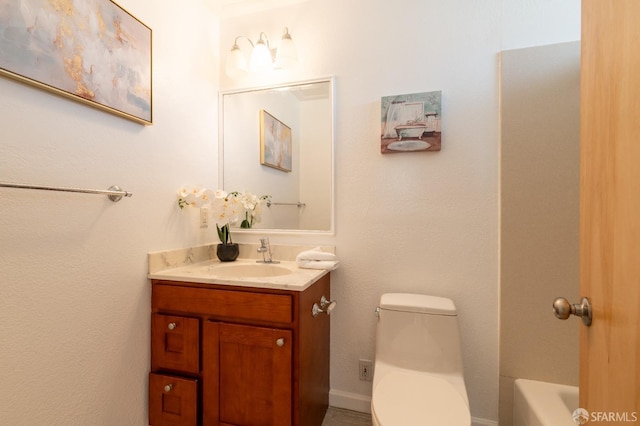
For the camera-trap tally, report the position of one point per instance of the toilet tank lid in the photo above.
(422, 303)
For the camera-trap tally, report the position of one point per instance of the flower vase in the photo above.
(228, 252)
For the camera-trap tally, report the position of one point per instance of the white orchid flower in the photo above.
(226, 208)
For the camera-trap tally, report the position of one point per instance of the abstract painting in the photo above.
(91, 51)
(411, 122)
(275, 142)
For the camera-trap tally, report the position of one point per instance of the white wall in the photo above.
(74, 300)
(420, 222)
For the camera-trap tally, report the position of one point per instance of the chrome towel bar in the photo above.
(298, 204)
(115, 193)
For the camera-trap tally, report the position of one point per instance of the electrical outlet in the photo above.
(204, 218)
(366, 370)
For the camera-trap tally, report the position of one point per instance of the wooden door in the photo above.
(254, 368)
(610, 209)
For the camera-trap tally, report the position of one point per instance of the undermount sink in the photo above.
(249, 270)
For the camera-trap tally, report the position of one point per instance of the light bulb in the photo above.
(287, 55)
(236, 62)
(260, 57)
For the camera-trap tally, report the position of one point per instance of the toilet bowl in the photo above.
(418, 374)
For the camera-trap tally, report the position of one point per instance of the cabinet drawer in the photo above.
(223, 303)
(175, 343)
(172, 401)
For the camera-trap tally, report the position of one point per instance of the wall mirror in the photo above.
(278, 141)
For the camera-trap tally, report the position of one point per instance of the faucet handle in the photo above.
(264, 245)
(265, 249)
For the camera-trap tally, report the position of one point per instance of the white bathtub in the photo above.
(543, 404)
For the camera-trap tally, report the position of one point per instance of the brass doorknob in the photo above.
(563, 309)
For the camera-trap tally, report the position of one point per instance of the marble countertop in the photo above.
(200, 265)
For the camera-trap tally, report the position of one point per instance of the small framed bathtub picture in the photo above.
(275, 142)
(411, 123)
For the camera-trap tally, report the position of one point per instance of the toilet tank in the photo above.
(419, 332)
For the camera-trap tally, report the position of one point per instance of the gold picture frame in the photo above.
(91, 51)
(275, 142)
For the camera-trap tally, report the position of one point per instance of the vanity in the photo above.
(237, 343)
(243, 343)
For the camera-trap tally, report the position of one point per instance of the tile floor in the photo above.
(340, 417)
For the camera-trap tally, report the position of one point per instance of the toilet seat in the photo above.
(414, 399)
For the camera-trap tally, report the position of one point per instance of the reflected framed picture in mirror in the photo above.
(275, 142)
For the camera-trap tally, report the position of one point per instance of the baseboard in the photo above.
(362, 403)
(350, 401)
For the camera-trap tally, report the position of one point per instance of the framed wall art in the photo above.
(275, 142)
(411, 122)
(91, 51)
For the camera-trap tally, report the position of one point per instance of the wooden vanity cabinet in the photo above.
(252, 356)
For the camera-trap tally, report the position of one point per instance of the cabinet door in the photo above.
(175, 343)
(173, 401)
(254, 375)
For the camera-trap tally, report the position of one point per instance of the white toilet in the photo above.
(417, 376)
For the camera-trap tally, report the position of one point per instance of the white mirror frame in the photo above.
(266, 231)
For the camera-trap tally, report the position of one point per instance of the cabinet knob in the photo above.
(167, 388)
(280, 342)
(172, 326)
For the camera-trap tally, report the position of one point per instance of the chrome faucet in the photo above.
(265, 249)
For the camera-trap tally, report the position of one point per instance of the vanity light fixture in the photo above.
(262, 56)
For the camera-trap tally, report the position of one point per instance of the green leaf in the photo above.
(223, 234)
